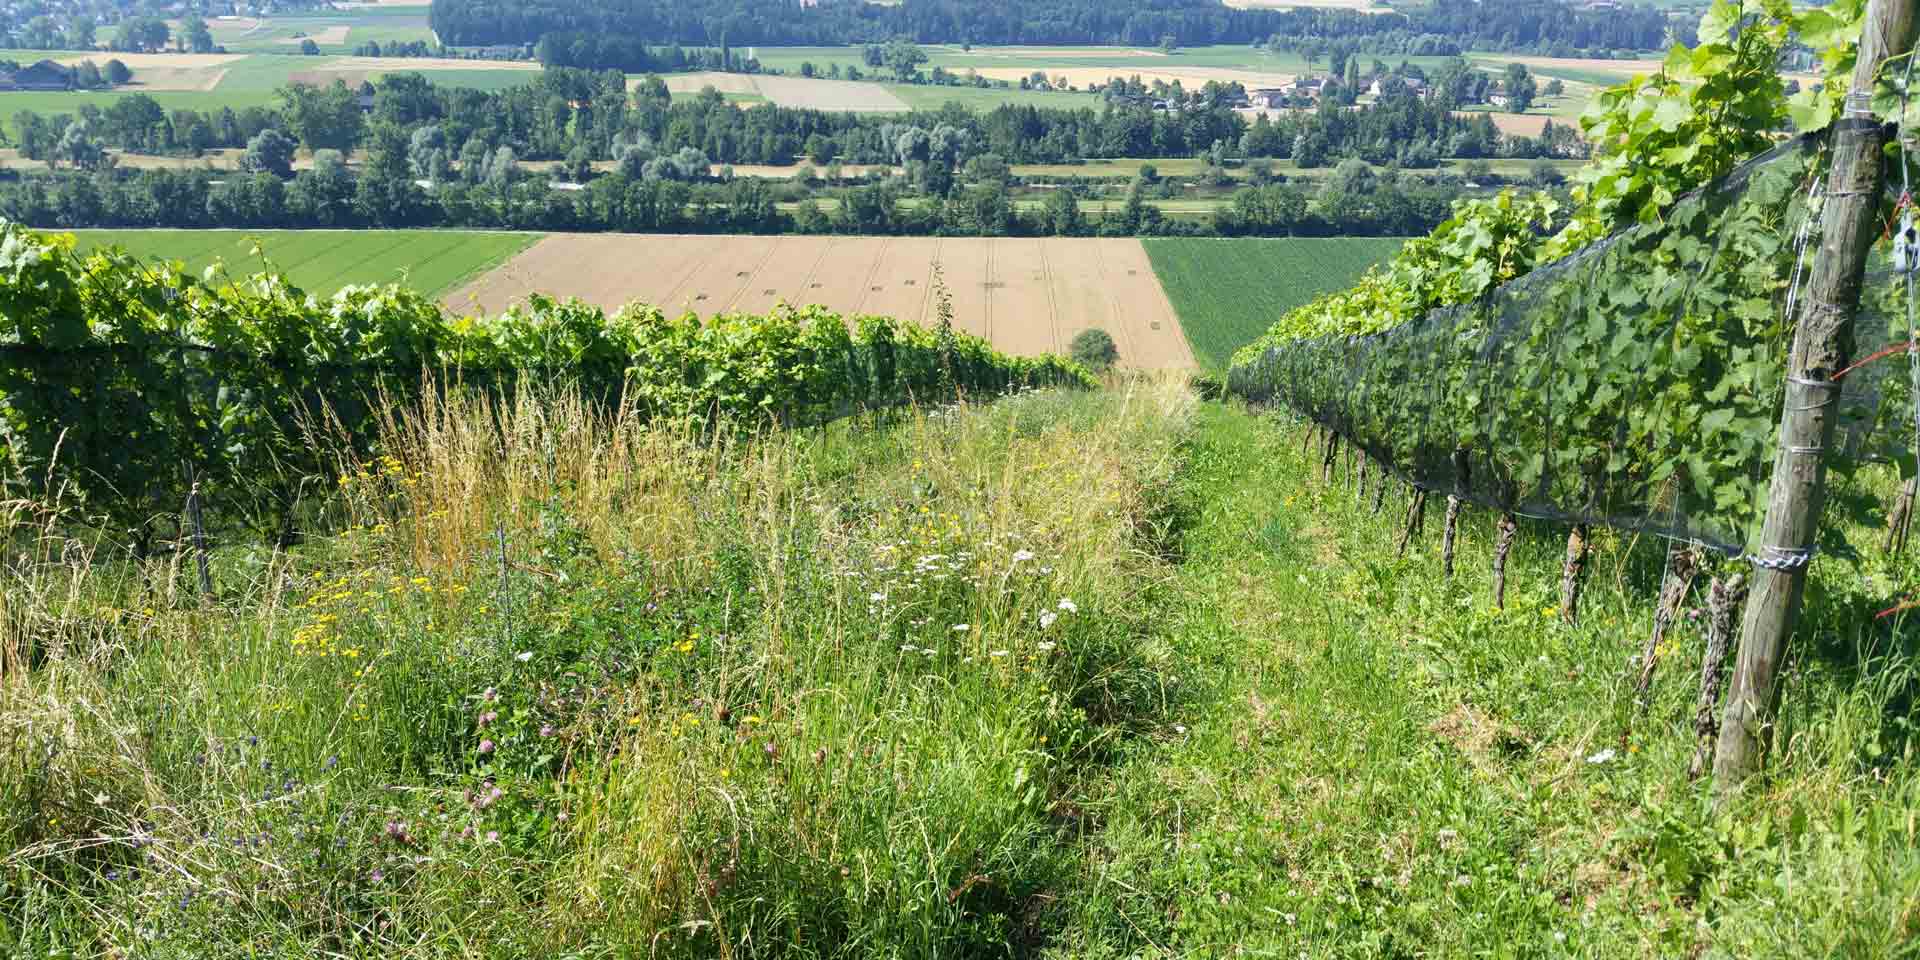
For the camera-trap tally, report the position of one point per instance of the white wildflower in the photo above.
(1047, 619)
(524, 656)
(961, 627)
(1601, 757)
(1066, 603)
(1022, 556)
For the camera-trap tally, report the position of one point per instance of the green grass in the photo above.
(1228, 292)
(321, 261)
(1373, 762)
(1087, 675)
(249, 82)
(382, 24)
(765, 720)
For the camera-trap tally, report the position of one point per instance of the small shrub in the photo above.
(1094, 348)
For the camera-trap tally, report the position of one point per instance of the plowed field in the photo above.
(1028, 296)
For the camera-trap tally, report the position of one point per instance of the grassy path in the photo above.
(1374, 763)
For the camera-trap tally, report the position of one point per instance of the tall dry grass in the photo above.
(568, 681)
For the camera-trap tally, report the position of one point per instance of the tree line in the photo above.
(580, 117)
(1476, 24)
(328, 195)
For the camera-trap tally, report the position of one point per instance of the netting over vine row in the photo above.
(1635, 384)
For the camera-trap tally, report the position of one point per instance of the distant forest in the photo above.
(1534, 25)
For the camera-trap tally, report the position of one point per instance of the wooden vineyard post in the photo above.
(1502, 546)
(1331, 454)
(1572, 571)
(1447, 531)
(1724, 597)
(1900, 518)
(1380, 493)
(1416, 511)
(195, 518)
(1452, 525)
(1682, 566)
(1822, 346)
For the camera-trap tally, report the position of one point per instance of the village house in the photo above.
(45, 75)
(1271, 98)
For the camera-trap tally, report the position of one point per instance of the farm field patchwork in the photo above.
(838, 95)
(1028, 296)
(1228, 292)
(322, 261)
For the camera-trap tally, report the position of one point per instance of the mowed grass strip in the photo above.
(1228, 292)
(323, 261)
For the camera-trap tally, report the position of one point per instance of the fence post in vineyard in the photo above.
(1822, 345)
(1502, 547)
(1724, 597)
(1900, 518)
(1572, 572)
(1682, 566)
(1452, 525)
(1416, 513)
(195, 517)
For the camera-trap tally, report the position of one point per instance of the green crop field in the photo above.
(322, 261)
(1228, 292)
(403, 24)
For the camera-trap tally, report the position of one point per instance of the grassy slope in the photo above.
(1372, 762)
(322, 261)
(819, 714)
(1228, 292)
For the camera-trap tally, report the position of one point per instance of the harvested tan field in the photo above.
(696, 82)
(839, 95)
(409, 64)
(1026, 295)
(844, 96)
(199, 79)
(1009, 53)
(138, 62)
(1189, 77)
(1522, 124)
(329, 35)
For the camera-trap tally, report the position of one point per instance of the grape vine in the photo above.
(121, 377)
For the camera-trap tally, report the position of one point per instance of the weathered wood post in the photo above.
(1682, 567)
(1416, 513)
(1572, 572)
(1452, 525)
(1822, 346)
(1502, 546)
(199, 524)
(1724, 597)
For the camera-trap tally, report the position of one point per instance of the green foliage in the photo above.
(1707, 109)
(1377, 764)
(1094, 349)
(1637, 384)
(127, 381)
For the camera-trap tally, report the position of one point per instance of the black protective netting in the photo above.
(1635, 384)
